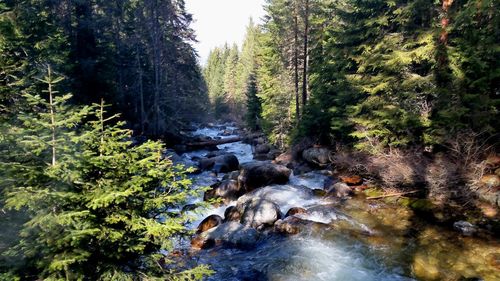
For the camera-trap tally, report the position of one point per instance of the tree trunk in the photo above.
(304, 73)
(296, 62)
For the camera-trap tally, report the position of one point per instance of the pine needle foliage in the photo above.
(100, 207)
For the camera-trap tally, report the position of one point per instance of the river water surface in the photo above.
(356, 240)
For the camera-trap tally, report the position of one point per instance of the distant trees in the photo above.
(135, 54)
(229, 73)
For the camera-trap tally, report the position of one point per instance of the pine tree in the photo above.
(100, 208)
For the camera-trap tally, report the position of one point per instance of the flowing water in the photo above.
(355, 239)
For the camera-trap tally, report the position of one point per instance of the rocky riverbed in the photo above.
(275, 220)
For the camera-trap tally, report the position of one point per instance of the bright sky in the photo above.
(220, 21)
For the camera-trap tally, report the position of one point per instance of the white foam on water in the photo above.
(312, 180)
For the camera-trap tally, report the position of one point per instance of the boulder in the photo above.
(289, 225)
(258, 212)
(221, 164)
(294, 211)
(271, 155)
(226, 163)
(228, 190)
(230, 233)
(261, 157)
(231, 176)
(206, 164)
(286, 196)
(464, 227)
(257, 174)
(293, 225)
(232, 214)
(262, 148)
(318, 156)
(209, 222)
(283, 159)
(339, 190)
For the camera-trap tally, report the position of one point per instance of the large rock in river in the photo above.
(318, 156)
(338, 189)
(226, 163)
(229, 233)
(257, 174)
(258, 212)
(228, 190)
(220, 164)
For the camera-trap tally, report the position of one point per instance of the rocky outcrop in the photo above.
(317, 156)
(257, 174)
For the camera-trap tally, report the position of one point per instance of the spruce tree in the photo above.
(100, 207)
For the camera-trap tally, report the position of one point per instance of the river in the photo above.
(357, 239)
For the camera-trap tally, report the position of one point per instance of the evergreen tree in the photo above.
(100, 207)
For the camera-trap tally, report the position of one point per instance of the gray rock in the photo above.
(220, 164)
(339, 190)
(231, 176)
(262, 148)
(226, 163)
(232, 233)
(259, 212)
(318, 156)
(257, 174)
(464, 227)
(228, 190)
(232, 214)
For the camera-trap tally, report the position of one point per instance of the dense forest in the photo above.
(405, 93)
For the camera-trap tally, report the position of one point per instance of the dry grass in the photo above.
(453, 175)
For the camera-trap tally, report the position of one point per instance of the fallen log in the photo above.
(392, 195)
(222, 141)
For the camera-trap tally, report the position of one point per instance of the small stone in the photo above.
(464, 227)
